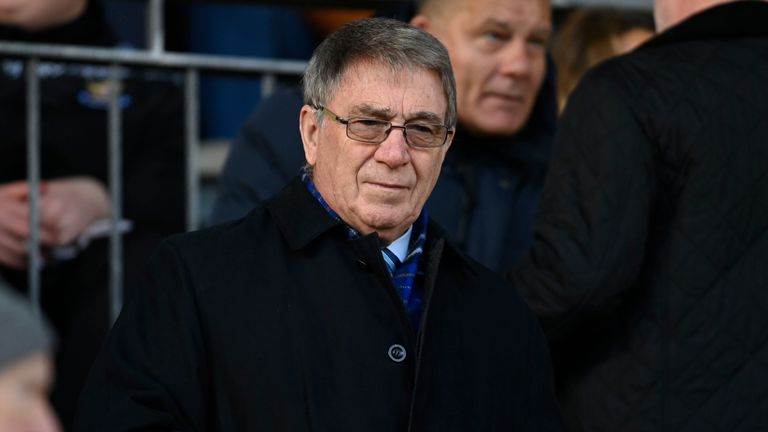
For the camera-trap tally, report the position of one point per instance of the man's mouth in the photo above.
(506, 97)
(387, 185)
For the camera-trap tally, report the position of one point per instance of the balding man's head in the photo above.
(498, 53)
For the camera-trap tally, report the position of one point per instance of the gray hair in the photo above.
(378, 40)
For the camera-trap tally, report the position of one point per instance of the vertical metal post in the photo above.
(155, 30)
(33, 181)
(191, 104)
(115, 194)
(268, 83)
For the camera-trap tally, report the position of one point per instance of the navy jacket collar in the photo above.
(292, 208)
(301, 219)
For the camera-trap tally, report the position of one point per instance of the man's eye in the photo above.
(495, 36)
(421, 128)
(538, 42)
(370, 122)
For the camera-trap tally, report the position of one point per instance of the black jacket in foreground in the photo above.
(650, 259)
(277, 322)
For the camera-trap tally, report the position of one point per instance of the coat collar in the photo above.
(744, 18)
(301, 219)
(299, 216)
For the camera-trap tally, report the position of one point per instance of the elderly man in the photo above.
(488, 190)
(649, 264)
(295, 319)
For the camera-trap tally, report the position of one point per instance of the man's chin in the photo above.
(496, 126)
(385, 218)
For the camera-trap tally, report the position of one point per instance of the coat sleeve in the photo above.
(150, 372)
(594, 213)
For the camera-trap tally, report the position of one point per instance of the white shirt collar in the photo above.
(399, 247)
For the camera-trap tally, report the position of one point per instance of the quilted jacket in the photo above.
(650, 260)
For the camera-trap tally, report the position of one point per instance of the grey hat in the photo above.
(22, 332)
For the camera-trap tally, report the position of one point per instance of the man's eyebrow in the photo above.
(427, 116)
(539, 30)
(367, 110)
(371, 111)
(493, 22)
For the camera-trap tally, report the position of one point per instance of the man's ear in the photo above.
(310, 129)
(421, 22)
(450, 139)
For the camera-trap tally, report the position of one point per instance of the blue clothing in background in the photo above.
(241, 30)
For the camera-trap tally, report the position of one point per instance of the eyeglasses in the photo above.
(375, 131)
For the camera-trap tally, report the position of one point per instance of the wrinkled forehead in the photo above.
(371, 72)
(534, 13)
(363, 80)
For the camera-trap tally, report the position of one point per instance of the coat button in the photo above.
(396, 353)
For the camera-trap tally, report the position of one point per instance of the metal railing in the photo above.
(119, 60)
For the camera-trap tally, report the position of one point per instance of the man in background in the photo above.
(491, 179)
(649, 263)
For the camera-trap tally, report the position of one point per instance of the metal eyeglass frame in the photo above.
(345, 122)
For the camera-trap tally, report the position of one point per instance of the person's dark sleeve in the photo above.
(593, 218)
(150, 372)
(264, 156)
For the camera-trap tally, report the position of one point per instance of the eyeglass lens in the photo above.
(416, 134)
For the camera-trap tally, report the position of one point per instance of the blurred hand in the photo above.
(68, 206)
(14, 224)
(33, 15)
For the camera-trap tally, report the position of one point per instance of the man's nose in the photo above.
(394, 150)
(516, 59)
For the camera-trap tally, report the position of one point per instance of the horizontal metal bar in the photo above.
(144, 58)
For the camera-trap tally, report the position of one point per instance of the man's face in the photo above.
(23, 396)
(498, 52)
(376, 187)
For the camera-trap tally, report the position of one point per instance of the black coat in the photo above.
(277, 322)
(650, 259)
